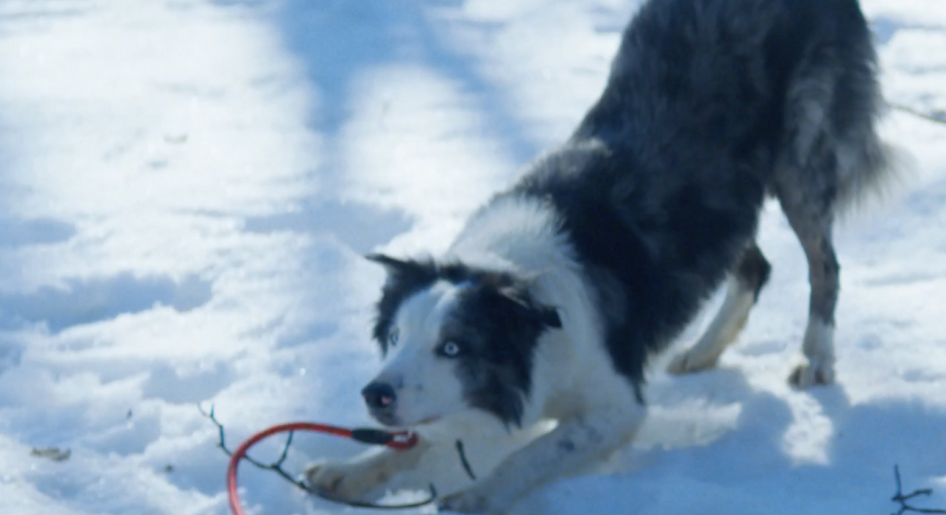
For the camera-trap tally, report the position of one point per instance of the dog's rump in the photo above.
(726, 71)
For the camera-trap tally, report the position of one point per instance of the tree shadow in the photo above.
(16, 232)
(92, 300)
(338, 39)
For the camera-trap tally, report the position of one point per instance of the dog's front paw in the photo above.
(344, 481)
(818, 371)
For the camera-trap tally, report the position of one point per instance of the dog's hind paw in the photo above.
(815, 372)
(687, 363)
(459, 503)
(474, 500)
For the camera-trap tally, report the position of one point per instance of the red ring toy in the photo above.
(399, 440)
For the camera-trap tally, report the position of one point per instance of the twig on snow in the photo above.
(935, 116)
(275, 466)
(902, 498)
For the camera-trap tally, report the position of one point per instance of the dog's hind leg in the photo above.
(743, 287)
(830, 158)
(811, 220)
(807, 182)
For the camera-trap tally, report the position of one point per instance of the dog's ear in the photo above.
(407, 270)
(519, 294)
(405, 277)
(392, 265)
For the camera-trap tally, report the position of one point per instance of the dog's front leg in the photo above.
(450, 456)
(366, 476)
(573, 445)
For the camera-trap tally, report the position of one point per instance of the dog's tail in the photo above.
(871, 171)
(840, 85)
(876, 171)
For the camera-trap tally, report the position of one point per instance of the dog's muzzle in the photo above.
(380, 398)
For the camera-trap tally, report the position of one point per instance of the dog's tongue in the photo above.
(385, 400)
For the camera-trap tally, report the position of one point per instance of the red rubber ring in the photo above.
(400, 440)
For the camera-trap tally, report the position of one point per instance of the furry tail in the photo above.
(872, 171)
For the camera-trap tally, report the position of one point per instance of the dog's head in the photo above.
(453, 338)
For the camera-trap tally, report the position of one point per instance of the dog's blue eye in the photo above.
(393, 336)
(451, 349)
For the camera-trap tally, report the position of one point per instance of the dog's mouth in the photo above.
(428, 420)
(387, 419)
(391, 420)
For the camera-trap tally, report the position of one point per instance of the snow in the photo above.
(186, 189)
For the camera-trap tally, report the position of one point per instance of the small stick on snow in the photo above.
(902, 499)
(275, 466)
(935, 116)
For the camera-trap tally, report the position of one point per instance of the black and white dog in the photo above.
(527, 341)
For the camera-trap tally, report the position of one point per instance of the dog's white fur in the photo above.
(574, 388)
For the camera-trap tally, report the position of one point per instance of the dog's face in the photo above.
(453, 338)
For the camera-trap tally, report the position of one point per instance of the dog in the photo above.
(519, 355)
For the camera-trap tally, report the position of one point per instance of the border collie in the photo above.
(519, 355)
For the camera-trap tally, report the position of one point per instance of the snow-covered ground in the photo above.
(186, 187)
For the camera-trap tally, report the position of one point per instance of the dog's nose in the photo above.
(379, 395)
